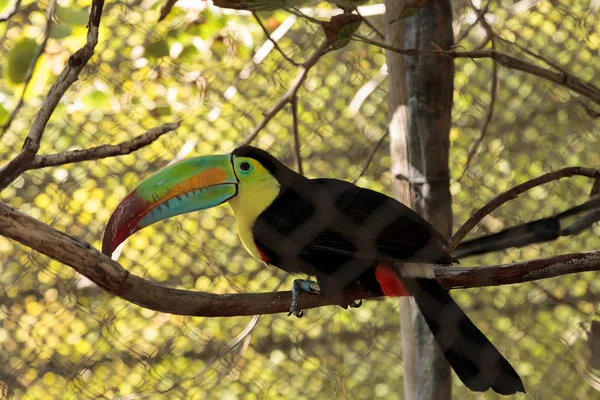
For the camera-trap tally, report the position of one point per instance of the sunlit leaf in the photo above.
(19, 58)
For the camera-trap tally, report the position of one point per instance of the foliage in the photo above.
(63, 337)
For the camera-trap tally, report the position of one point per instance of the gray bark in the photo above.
(420, 105)
(398, 125)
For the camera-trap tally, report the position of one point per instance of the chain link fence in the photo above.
(63, 337)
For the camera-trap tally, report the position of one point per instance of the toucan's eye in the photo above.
(245, 166)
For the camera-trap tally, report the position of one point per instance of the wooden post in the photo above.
(420, 105)
(398, 125)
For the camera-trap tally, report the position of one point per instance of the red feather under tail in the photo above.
(390, 284)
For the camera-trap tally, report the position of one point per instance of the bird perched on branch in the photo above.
(339, 233)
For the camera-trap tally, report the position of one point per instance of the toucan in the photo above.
(342, 234)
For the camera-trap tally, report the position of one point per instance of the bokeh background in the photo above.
(63, 337)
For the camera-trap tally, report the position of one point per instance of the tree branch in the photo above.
(104, 151)
(291, 92)
(514, 193)
(480, 16)
(371, 25)
(533, 232)
(370, 157)
(68, 76)
(275, 44)
(9, 14)
(38, 53)
(166, 9)
(487, 119)
(562, 78)
(294, 105)
(112, 277)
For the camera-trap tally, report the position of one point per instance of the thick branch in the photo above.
(104, 151)
(113, 278)
(68, 76)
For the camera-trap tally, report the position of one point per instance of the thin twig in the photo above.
(38, 53)
(525, 50)
(166, 9)
(370, 25)
(104, 151)
(486, 121)
(294, 105)
(513, 193)
(219, 356)
(291, 92)
(570, 303)
(532, 232)
(582, 223)
(67, 77)
(243, 334)
(480, 16)
(562, 78)
(371, 156)
(113, 278)
(9, 14)
(275, 44)
(593, 114)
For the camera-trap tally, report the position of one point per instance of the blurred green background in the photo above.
(63, 337)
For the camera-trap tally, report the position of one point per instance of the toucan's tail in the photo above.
(476, 361)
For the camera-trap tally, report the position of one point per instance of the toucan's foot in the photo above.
(352, 304)
(355, 304)
(301, 285)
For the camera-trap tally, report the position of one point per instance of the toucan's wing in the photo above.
(368, 222)
(322, 218)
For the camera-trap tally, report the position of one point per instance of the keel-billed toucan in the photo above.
(341, 234)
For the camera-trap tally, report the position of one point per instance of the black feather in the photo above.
(476, 361)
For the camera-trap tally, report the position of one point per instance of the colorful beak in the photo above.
(190, 185)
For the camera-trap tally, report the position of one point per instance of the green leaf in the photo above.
(96, 99)
(157, 50)
(73, 16)
(189, 53)
(3, 115)
(212, 25)
(60, 31)
(345, 34)
(412, 8)
(18, 60)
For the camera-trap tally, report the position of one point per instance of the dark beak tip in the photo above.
(108, 246)
(122, 223)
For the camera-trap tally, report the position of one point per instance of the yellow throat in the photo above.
(254, 196)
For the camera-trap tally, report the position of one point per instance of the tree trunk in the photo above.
(398, 125)
(420, 105)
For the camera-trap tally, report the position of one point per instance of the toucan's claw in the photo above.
(355, 304)
(301, 285)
